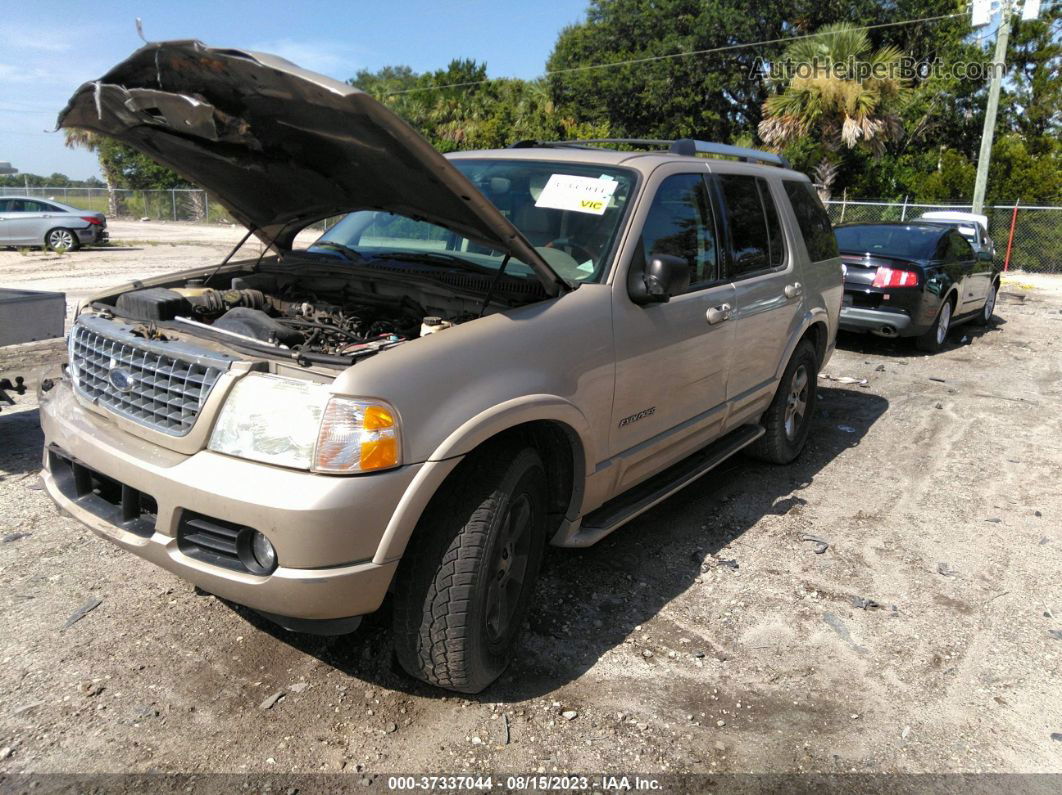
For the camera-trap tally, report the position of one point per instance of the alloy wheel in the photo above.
(60, 238)
(943, 323)
(796, 402)
(509, 568)
(990, 303)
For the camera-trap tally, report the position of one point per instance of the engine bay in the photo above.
(321, 318)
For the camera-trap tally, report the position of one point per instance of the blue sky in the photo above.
(48, 48)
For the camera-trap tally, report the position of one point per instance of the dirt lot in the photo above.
(705, 636)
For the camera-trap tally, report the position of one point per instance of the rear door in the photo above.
(672, 359)
(974, 285)
(768, 294)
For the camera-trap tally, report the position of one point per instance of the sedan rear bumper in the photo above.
(876, 321)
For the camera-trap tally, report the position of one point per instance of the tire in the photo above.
(63, 238)
(788, 419)
(481, 539)
(933, 340)
(984, 317)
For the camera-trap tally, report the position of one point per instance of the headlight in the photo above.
(298, 424)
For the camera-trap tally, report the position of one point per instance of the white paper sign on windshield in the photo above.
(581, 194)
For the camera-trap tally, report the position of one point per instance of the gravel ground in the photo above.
(709, 635)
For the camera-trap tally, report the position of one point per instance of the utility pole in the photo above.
(998, 68)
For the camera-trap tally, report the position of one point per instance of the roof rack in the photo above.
(682, 146)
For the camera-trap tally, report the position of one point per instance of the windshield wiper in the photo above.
(347, 252)
(433, 256)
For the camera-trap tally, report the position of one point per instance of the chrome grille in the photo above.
(161, 385)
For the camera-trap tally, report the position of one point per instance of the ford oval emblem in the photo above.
(120, 379)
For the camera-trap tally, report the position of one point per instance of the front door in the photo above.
(672, 359)
(24, 223)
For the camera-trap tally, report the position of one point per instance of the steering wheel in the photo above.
(579, 253)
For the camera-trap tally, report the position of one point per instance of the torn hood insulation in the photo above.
(281, 147)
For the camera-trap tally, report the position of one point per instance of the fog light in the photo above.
(257, 553)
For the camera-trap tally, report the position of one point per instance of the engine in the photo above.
(290, 316)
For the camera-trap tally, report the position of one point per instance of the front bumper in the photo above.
(325, 529)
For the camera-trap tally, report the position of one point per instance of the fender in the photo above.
(464, 440)
(816, 314)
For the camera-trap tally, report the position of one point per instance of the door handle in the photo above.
(717, 314)
(794, 290)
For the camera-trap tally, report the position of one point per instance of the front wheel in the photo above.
(465, 585)
(788, 419)
(60, 239)
(933, 340)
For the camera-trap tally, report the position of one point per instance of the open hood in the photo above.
(281, 147)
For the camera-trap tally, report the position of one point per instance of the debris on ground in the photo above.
(90, 689)
(271, 701)
(1055, 633)
(860, 603)
(569, 714)
(713, 562)
(945, 569)
(10, 537)
(839, 627)
(82, 611)
(505, 729)
(994, 520)
(938, 380)
(821, 544)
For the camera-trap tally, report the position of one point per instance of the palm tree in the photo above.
(83, 139)
(838, 91)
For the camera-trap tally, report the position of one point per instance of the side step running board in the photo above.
(618, 511)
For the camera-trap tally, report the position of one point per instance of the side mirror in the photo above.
(665, 275)
(984, 255)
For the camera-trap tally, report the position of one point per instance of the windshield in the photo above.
(891, 240)
(569, 212)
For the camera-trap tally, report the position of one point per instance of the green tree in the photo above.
(461, 108)
(1033, 102)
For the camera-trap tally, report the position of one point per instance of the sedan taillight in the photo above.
(92, 220)
(894, 277)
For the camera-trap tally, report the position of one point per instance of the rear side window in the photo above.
(959, 248)
(680, 224)
(755, 232)
(814, 224)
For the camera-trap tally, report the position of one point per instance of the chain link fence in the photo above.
(1027, 238)
(181, 204)
(1032, 235)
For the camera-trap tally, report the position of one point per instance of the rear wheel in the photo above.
(933, 340)
(788, 419)
(465, 585)
(61, 239)
(984, 318)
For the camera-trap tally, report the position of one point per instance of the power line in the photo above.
(648, 59)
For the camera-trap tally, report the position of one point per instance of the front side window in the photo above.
(570, 212)
(812, 219)
(755, 232)
(680, 224)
